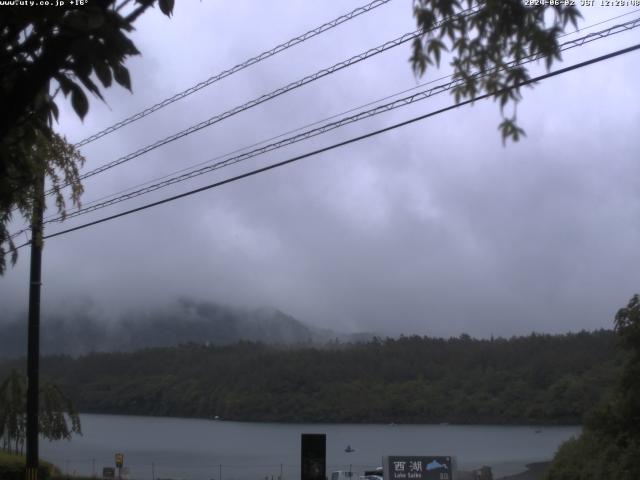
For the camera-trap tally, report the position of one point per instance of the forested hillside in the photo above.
(533, 379)
(81, 331)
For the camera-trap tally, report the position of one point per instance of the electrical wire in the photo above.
(241, 66)
(420, 85)
(419, 96)
(308, 79)
(264, 98)
(323, 129)
(261, 142)
(343, 143)
(601, 22)
(264, 55)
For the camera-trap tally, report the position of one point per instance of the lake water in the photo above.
(207, 449)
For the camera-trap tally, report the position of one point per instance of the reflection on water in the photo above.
(207, 449)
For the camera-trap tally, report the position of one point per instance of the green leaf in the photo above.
(460, 45)
(417, 59)
(66, 85)
(79, 101)
(104, 73)
(166, 6)
(425, 18)
(121, 75)
(434, 47)
(510, 130)
(81, 61)
(92, 87)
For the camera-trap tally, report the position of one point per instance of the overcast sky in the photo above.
(435, 228)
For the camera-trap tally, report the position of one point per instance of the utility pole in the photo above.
(33, 346)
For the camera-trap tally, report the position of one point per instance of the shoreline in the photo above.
(535, 426)
(535, 471)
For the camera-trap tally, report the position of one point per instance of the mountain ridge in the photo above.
(183, 321)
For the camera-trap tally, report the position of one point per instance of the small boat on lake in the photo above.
(349, 449)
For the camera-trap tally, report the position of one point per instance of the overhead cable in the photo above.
(317, 122)
(317, 131)
(343, 143)
(241, 66)
(401, 102)
(263, 98)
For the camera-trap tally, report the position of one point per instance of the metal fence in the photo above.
(159, 470)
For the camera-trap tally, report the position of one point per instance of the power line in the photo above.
(324, 128)
(264, 55)
(261, 142)
(416, 97)
(218, 157)
(288, 44)
(343, 143)
(420, 85)
(241, 66)
(603, 21)
(255, 102)
(264, 98)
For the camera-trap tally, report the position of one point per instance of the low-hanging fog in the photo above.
(435, 228)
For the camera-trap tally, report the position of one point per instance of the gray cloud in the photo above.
(434, 229)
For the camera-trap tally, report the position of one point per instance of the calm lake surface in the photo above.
(207, 449)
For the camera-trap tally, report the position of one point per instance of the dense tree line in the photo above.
(57, 418)
(533, 379)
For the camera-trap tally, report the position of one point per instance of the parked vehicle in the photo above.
(373, 474)
(343, 475)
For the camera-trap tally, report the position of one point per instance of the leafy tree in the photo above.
(628, 328)
(609, 447)
(13, 394)
(58, 418)
(51, 154)
(484, 36)
(44, 52)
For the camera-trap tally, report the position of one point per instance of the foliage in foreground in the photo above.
(609, 447)
(12, 467)
(593, 456)
(488, 41)
(57, 417)
(45, 50)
